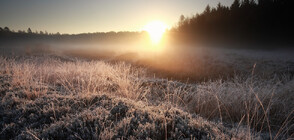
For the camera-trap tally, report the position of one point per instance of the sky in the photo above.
(87, 16)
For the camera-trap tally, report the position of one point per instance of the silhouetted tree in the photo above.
(235, 5)
(6, 29)
(207, 9)
(29, 31)
(182, 19)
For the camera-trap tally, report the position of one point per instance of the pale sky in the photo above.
(83, 16)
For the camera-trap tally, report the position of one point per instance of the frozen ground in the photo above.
(59, 97)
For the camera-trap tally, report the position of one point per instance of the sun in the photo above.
(155, 30)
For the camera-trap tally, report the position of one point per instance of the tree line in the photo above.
(7, 35)
(245, 21)
(6, 30)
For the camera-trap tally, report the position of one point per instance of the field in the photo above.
(180, 94)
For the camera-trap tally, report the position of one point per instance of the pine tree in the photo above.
(207, 9)
(235, 5)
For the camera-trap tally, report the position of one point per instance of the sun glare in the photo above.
(155, 30)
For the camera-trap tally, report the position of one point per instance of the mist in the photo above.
(224, 73)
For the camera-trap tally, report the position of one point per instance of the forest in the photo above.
(247, 21)
(266, 23)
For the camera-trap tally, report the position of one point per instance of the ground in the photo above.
(63, 97)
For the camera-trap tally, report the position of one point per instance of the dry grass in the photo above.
(57, 97)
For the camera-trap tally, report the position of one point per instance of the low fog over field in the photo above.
(63, 90)
(188, 62)
(225, 73)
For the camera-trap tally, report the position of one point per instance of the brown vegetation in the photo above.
(62, 97)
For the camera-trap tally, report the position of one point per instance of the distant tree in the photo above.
(207, 9)
(1, 30)
(182, 20)
(29, 31)
(41, 32)
(219, 6)
(6, 29)
(235, 5)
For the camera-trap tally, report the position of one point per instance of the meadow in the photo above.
(190, 93)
